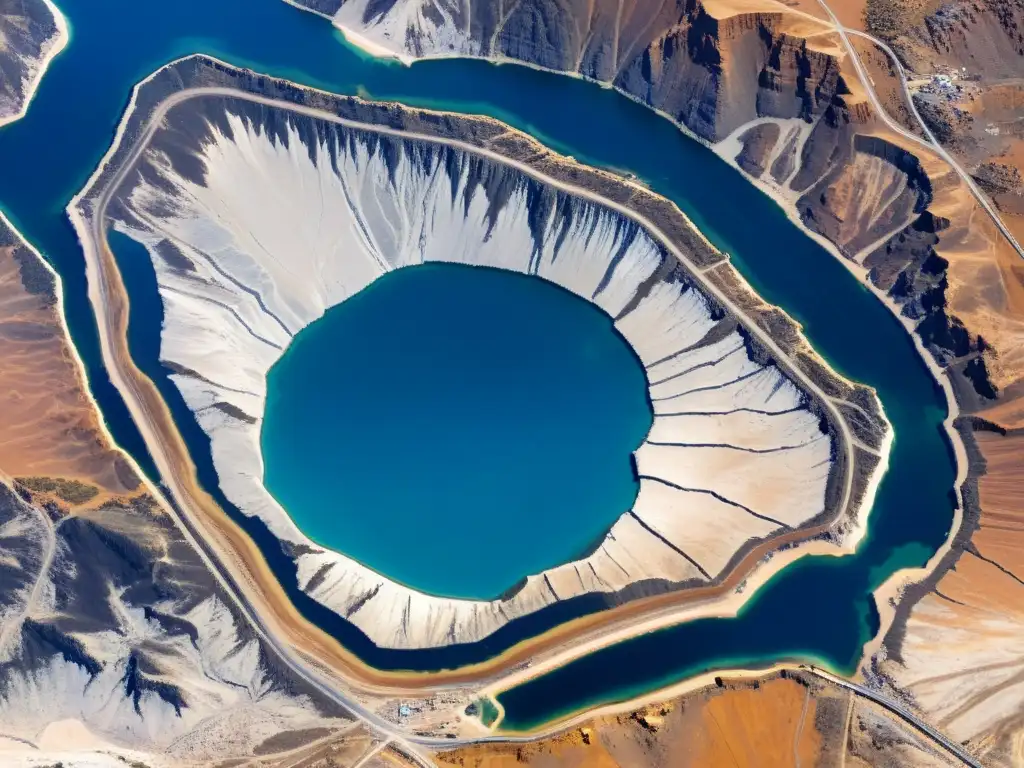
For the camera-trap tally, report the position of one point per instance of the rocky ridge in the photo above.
(708, 70)
(31, 31)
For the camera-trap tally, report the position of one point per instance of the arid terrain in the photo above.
(960, 656)
(775, 722)
(118, 644)
(50, 427)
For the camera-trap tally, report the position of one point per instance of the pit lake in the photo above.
(820, 609)
(483, 420)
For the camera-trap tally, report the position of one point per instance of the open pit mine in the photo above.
(262, 205)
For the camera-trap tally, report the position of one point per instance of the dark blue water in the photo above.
(456, 428)
(820, 609)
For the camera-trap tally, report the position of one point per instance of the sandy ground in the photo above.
(849, 12)
(963, 654)
(314, 750)
(810, 7)
(48, 425)
(1008, 414)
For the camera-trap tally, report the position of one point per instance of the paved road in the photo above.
(932, 143)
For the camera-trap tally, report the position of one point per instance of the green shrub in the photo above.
(71, 491)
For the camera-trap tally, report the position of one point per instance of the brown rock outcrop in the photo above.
(711, 67)
(987, 36)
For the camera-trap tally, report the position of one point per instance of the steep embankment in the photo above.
(711, 67)
(32, 32)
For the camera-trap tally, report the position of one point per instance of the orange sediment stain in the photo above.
(48, 425)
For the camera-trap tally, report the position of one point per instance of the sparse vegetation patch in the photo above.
(71, 491)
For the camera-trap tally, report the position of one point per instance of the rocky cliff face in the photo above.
(859, 188)
(873, 199)
(875, 203)
(910, 270)
(712, 73)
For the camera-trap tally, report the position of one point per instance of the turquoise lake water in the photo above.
(482, 419)
(820, 609)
